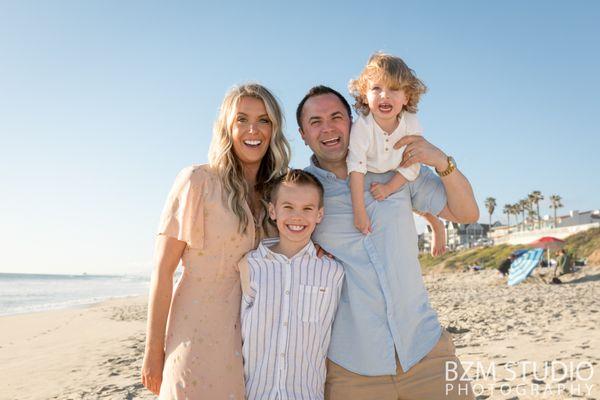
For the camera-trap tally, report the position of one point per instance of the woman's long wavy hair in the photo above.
(224, 162)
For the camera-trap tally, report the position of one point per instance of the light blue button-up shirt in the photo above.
(384, 304)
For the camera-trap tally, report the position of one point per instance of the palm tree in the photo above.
(507, 210)
(523, 206)
(490, 204)
(534, 198)
(531, 216)
(555, 204)
(512, 211)
(516, 210)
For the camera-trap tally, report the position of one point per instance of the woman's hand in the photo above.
(167, 254)
(152, 369)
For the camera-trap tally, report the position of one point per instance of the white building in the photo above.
(566, 225)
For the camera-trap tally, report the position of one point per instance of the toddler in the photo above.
(386, 96)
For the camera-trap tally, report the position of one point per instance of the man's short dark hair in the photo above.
(317, 91)
(298, 177)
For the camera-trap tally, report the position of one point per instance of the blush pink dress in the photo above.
(203, 343)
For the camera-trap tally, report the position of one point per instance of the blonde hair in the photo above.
(296, 177)
(224, 162)
(393, 72)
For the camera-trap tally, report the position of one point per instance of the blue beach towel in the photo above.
(521, 268)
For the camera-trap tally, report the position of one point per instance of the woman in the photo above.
(214, 214)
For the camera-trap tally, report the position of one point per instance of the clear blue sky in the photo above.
(102, 102)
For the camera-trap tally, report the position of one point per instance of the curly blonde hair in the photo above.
(223, 161)
(393, 72)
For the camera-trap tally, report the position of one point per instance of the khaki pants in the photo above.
(424, 381)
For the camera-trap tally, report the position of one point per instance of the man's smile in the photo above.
(331, 142)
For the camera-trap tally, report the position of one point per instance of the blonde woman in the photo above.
(214, 214)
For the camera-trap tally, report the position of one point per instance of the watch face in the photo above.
(451, 160)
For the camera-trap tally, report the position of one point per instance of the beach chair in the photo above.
(522, 267)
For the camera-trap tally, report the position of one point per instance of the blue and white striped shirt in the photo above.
(288, 306)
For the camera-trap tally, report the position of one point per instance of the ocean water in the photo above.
(24, 293)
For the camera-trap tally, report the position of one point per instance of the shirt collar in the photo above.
(400, 128)
(320, 173)
(265, 251)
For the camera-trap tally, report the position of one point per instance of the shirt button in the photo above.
(287, 292)
(282, 354)
(386, 149)
(285, 323)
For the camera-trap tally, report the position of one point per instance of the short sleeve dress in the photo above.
(203, 343)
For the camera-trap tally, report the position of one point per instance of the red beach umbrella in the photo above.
(548, 243)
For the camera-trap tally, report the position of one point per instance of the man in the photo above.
(387, 342)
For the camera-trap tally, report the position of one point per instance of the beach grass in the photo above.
(582, 245)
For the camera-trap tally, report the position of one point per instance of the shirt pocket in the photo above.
(313, 301)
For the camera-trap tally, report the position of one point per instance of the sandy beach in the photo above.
(85, 353)
(510, 340)
(523, 333)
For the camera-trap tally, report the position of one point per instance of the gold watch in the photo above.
(450, 169)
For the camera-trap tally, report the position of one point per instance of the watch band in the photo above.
(449, 170)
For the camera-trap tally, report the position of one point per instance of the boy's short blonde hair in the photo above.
(296, 177)
(392, 71)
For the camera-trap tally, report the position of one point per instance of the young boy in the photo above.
(289, 298)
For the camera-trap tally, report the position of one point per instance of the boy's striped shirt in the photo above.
(288, 306)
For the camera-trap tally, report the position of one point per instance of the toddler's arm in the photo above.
(361, 219)
(360, 140)
(357, 168)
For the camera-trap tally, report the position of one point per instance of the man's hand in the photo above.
(461, 203)
(419, 150)
(321, 252)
